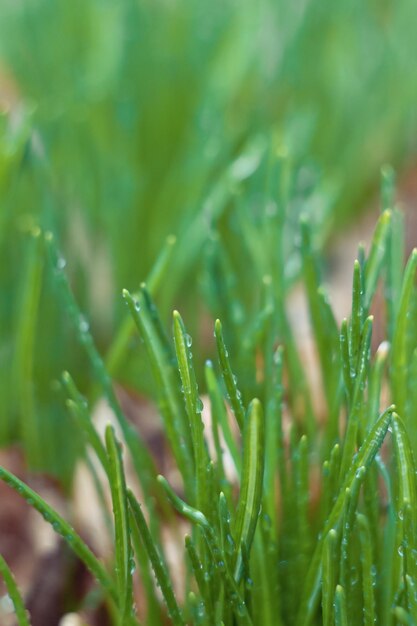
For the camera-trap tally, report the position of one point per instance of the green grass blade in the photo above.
(368, 571)
(340, 611)
(158, 565)
(229, 378)
(219, 410)
(175, 420)
(123, 549)
(329, 576)
(374, 262)
(14, 594)
(78, 407)
(24, 355)
(399, 360)
(251, 483)
(141, 458)
(64, 529)
(363, 458)
(194, 407)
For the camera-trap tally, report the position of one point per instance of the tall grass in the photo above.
(316, 523)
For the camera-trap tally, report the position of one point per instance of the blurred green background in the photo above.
(124, 121)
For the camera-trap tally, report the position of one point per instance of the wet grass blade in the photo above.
(329, 576)
(170, 405)
(368, 571)
(21, 614)
(250, 495)
(194, 407)
(122, 545)
(229, 378)
(141, 457)
(158, 565)
(340, 611)
(64, 529)
(363, 458)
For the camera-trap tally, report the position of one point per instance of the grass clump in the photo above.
(296, 514)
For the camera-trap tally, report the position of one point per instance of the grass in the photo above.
(317, 522)
(125, 122)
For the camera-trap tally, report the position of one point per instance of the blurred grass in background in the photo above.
(125, 121)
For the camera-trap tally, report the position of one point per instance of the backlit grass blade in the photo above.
(158, 565)
(229, 378)
(21, 614)
(123, 550)
(251, 482)
(194, 407)
(64, 529)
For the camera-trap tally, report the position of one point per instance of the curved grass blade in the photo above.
(228, 377)
(363, 458)
(250, 495)
(158, 565)
(166, 377)
(14, 594)
(194, 407)
(141, 458)
(123, 549)
(219, 559)
(64, 529)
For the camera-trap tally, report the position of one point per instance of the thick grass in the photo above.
(130, 121)
(317, 523)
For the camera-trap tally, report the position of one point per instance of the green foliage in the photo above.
(126, 122)
(317, 522)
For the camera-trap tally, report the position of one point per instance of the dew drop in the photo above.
(60, 263)
(188, 341)
(200, 405)
(83, 324)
